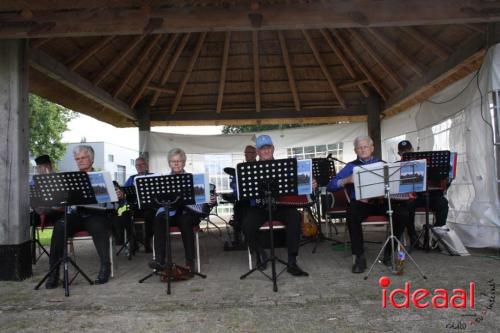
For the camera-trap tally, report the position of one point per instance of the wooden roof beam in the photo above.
(162, 90)
(476, 28)
(256, 70)
(79, 59)
(222, 80)
(378, 59)
(170, 67)
(36, 43)
(289, 70)
(344, 60)
(153, 70)
(333, 14)
(324, 69)
(122, 54)
(132, 69)
(60, 73)
(441, 50)
(387, 43)
(350, 53)
(189, 70)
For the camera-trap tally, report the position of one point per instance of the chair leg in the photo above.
(198, 260)
(249, 258)
(111, 259)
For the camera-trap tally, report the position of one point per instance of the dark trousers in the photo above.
(149, 221)
(97, 225)
(122, 224)
(437, 203)
(357, 211)
(185, 220)
(255, 217)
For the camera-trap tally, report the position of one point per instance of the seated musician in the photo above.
(142, 167)
(122, 222)
(437, 201)
(240, 206)
(91, 218)
(360, 209)
(255, 217)
(184, 217)
(43, 216)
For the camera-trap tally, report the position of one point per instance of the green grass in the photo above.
(45, 236)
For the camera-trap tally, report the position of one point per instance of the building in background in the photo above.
(117, 160)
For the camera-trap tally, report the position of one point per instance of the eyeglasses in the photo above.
(176, 161)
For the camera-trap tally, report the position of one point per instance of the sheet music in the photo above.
(404, 177)
(304, 177)
(201, 188)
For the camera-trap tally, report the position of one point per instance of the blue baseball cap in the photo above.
(263, 140)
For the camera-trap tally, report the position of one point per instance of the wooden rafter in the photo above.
(256, 70)
(187, 75)
(364, 43)
(170, 67)
(118, 60)
(350, 53)
(161, 90)
(289, 71)
(86, 54)
(36, 43)
(324, 69)
(153, 69)
(343, 59)
(60, 73)
(222, 80)
(331, 14)
(132, 69)
(349, 85)
(386, 42)
(441, 50)
(476, 28)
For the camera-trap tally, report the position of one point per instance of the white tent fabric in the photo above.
(158, 144)
(458, 119)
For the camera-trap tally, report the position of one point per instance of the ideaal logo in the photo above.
(422, 298)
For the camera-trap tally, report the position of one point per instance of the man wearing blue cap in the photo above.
(255, 217)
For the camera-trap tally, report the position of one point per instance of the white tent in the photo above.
(457, 119)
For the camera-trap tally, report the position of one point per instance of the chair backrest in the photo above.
(340, 199)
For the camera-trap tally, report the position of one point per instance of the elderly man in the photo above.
(437, 201)
(142, 167)
(360, 209)
(255, 217)
(90, 218)
(250, 153)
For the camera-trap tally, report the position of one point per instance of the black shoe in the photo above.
(104, 274)
(359, 265)
(153, 264)
(52, 280)
(296, 270)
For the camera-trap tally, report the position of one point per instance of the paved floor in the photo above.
(331, 299)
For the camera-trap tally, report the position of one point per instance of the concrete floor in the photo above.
(331, 299)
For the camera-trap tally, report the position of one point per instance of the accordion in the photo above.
(299, 201)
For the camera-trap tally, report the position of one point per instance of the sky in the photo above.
(94, 130)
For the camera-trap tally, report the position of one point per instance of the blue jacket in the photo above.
(334, 184)
(130, 180)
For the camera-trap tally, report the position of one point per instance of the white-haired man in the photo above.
(92, 220)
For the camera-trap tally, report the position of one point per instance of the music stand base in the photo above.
(274, 276)
(392, 237)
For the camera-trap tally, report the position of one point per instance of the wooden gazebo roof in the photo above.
(242, 62)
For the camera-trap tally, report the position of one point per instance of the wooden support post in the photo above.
(373, 120)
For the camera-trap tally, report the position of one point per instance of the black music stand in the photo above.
(165, 191)
(383, 178)
(64, 189)
(438, 169)
(35, 196)
(323, 170)
(266, 180)
(131, 197)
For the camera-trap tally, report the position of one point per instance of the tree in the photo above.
(48, 122)
(231, 129)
